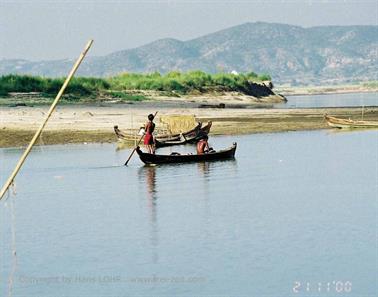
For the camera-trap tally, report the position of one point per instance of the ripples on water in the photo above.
(291, 207)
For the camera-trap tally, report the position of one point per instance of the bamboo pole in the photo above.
(51, 110)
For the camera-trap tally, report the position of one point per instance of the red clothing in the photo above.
(148, 139)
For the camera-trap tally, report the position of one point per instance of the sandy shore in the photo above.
(77, 124)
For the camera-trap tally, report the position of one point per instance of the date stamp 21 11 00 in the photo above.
(334, 286)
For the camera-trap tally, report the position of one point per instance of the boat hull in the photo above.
(171, 159)
(348, 124)
(192, 136)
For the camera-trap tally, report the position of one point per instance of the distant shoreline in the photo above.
(84, 124)
(326, 90)
(206, 98)
(134, 87)
(232, 113)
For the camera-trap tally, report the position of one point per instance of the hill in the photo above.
(290, 54)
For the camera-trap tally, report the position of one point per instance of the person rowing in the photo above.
(203, 145)
(148, 137)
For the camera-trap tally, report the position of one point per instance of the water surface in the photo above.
(330, 100)
(291, 211)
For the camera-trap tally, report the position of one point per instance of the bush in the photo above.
(127, 97)
(27, 83)
(21, 83)
(263, 77)
(174, 81)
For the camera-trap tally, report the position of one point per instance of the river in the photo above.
(295, 214)
(331, 100)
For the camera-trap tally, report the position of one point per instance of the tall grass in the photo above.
(25, 83)
(178, 82)
(185, 82)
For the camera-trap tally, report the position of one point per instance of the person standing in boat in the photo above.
(203, 145)
(148, 137)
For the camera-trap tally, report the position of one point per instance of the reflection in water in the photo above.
(150, 173)
(206, 169)
(203, 168)
(209, 171)
(351, 130)
(147, 174)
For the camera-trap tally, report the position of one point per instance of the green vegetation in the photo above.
(371, 84)
(174, 83)
(184, 83)
(125, 96)
(80, 86)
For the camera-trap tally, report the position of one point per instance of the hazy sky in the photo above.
(39, 30)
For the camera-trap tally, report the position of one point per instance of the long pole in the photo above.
(132, 153)
(39, 131)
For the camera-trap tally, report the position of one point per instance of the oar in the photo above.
(132, 153)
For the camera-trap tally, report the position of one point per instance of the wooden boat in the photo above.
(192, 136)
(186, 137)
(344, 123)
(177, 158)
(177, 136)
(181, 141)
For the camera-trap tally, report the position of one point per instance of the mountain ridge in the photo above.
(289, 53)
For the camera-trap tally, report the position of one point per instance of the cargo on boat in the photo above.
(191, 136)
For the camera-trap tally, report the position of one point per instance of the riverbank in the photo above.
(196, 99)
(368, 87)
(264, 96)
(135, 86)
(78, 124)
